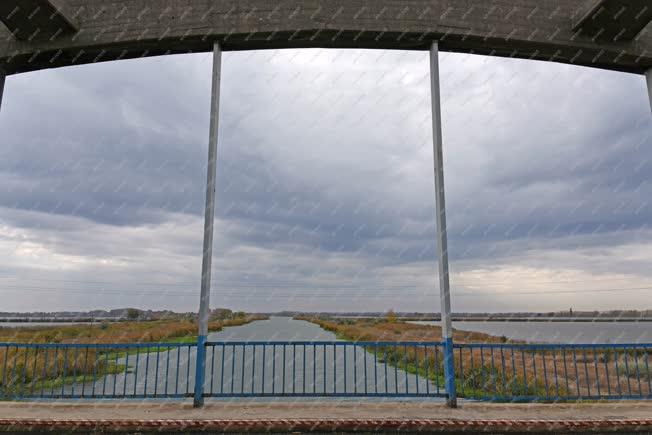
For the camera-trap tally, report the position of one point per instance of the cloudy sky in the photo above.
(325, 194)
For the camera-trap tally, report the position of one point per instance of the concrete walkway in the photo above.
(325, 415)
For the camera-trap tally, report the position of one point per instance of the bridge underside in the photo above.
(613, 20)
(35, 20)
(610, 34)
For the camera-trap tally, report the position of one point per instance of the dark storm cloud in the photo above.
(74, 147)
(325, 165)
(562, 157)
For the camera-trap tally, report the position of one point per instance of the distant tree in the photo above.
(240, 314)
(390, 316)
(221, 314)
(571, 311)
(133, 314)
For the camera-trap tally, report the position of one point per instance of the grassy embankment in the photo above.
(485, 373)
(24, 370)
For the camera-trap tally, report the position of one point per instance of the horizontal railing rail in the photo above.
(553, 372)
(324, 368)
(490, 372)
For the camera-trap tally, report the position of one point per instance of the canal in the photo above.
(238, 369)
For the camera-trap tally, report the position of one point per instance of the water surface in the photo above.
(42, 324)
(237, 369)
(561, 332)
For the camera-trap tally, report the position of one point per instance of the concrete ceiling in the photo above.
(613, 20)
(35, 20)
(608, 34)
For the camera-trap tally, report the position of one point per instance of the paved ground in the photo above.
(325, 415)
(322, 409)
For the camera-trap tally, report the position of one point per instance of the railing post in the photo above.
(209, 215)
(442, 242)
(648, 76)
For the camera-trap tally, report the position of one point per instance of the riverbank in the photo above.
(382, 329)
(418, 361)
(28, 368)
(483, 371)
(175, 330)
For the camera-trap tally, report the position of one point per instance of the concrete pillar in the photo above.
(648, 76)
(2, 85)
(209, 215)
(442, 238)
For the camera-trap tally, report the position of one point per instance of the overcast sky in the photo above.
(325, 197)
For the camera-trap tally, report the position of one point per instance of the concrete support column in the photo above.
(2, 85)
(442, 239)
(209, 215)
(648, 76)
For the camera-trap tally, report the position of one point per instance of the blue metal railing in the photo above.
(324, 368)
(553, 372)
(96, 370)
(233, 369)
(495, 372)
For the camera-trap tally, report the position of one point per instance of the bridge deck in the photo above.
(326, 415)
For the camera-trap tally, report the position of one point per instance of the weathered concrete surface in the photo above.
(532, 29)
(241, 409)
(35, 20)
(343, 415)
(613, 20)
(325, 425)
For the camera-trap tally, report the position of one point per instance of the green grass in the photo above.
(54, 384)
(62, 368)
(478, 382)
(189, 339)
